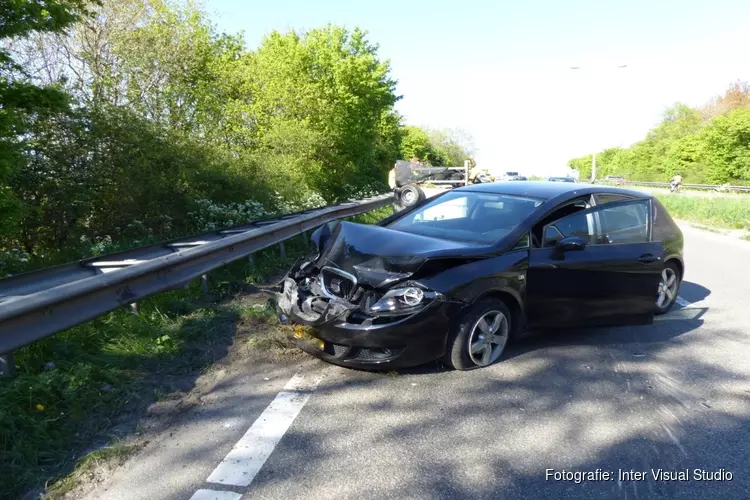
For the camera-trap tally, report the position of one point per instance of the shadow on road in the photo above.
(663, 396)
(693, 292)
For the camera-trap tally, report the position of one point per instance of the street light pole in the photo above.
(593, 167)
(593, 156)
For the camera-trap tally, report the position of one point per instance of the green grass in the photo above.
(726, 212)
(71, 389)
(373, 216)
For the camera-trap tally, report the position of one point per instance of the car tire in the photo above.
(666, 295)
(410, 195)
(469, 331)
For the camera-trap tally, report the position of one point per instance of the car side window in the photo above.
(663, 226)
(578, 224)
(620, 223)
(522, 243)
(626, 223)
(551, 236)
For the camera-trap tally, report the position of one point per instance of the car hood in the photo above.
(379, 256)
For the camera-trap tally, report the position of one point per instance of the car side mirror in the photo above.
(570, 244)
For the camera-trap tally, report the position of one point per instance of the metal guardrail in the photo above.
(710, 187)
(38, 304)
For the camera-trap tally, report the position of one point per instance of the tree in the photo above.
(330, 82)
(684, 141)
(452, 147)
(415, 143)
(436, 147)
(737, 96)
(22, 102)
(726, 147)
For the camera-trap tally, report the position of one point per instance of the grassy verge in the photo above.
(725, 212)
(73, 389)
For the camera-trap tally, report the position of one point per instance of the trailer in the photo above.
(414, 182)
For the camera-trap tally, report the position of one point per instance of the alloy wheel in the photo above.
(667, 288)
(488, 338)
(409, 197)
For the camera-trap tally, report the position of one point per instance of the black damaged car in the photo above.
(459, 275)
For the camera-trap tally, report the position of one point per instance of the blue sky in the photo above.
(500, 70)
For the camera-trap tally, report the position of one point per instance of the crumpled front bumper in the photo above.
(405, 341)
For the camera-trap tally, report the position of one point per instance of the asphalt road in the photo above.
(673, 396)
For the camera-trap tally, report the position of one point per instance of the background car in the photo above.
(615, 179)
(459, 275)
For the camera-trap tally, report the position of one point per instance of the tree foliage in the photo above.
(436, 147)
(22, 103)
(706, 145)
(120, 118)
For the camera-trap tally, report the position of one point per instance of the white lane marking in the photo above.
(682, 302)
(679, 314)
(215, 495)
(245, 460)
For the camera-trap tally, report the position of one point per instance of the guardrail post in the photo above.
(134, 308)
(251, 259)
(306, 240)
(204, 283)
(7, 365)
(282, 249)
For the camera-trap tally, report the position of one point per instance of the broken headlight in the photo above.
(403, 299)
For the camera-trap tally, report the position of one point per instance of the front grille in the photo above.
(338, 283)
(340, 350)
(379, 353)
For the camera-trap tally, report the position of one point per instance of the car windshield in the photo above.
(468, 216)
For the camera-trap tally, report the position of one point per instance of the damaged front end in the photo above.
(356, 324)
(315, 295)
(364, 294)
(363, 275)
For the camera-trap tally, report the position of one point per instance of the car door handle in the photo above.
(648, 258)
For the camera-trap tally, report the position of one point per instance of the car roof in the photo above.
(547, 190)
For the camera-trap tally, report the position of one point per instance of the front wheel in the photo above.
(481, 336)
(669, 286)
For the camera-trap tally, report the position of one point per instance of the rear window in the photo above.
(663, 224)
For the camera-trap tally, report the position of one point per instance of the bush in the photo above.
(721, 211)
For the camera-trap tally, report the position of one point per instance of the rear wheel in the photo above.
(480, 337)
(669, 286)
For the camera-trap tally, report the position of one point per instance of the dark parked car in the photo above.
(460, 274)
(561, 179)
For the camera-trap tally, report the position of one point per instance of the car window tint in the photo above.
(603, 199)
(624, 223)
(551, 236)
(522, 243)
(574, 225)
(663, 225)
(578, 224)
